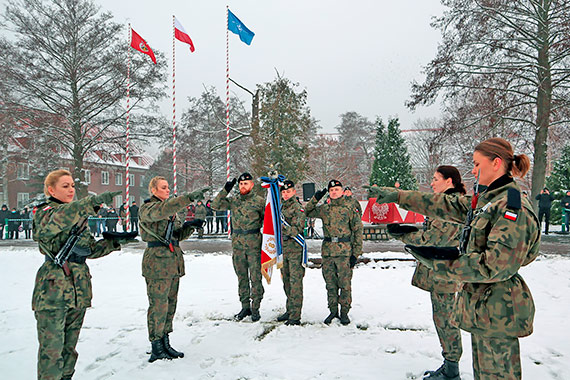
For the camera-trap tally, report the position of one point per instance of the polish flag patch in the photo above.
(511, 215)
(46, 208)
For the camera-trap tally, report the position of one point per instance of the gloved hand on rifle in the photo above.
(230, 185)
(198, 194)
(397, 229)
(106, 197)
(194, 223)
(426, 254)
(383, 194)
(121, 237)
(320, 194)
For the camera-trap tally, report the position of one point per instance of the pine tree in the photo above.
(559, 182)
(391, 158)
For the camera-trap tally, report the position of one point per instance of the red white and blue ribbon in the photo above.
(300, 239)
(272, 243)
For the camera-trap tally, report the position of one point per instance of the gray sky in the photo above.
(355, 55)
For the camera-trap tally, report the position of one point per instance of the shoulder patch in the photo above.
(46, 208)
(513, 199)
(511, 216)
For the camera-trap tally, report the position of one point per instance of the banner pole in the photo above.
(127, 155)
(175, 185)
(228, 108)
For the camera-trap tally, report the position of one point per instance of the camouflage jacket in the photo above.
(340, 219)
(200, 212)
(494, 301)
(356, 204)
(52, 224)
(293, 213)
(247, 210)
(159, 262)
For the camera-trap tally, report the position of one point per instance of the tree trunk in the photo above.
(543, 105)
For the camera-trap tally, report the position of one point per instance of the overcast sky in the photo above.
(358, 55)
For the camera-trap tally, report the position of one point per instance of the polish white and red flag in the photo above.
(181, 35)
(271, 243)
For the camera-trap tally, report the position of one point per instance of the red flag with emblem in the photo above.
(138, 43)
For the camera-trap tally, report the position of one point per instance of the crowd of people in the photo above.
(468, 254)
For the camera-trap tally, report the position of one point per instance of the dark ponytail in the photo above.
(451, 172)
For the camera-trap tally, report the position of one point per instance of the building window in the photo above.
(104, 178)
(118, 203)
(421, 178)
(87, 174)
(118, 179)
(142, 181)
(23, 170)
(131, 180)
(23, 199)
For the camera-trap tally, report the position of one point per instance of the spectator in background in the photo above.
(221, 221)
(544, 204)
(209, 217)
(101, 215)
(13, 224)
(26, 217)
(565, 202)
(112, 219)
(4, 214)
(134, 211)
(200, 214)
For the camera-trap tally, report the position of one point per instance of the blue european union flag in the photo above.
(237, 27)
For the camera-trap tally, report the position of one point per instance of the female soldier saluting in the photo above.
(163, 264)
(59, 299)
(495, 304)
(437, 232)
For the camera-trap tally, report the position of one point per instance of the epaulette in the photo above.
(513, 199)
(41, 205)
(146, 200)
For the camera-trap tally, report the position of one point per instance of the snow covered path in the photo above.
(391, 335)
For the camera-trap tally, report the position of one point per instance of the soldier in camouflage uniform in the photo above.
(163, 262)
(292, 270)
(348, 194)
(60, 301)
(342, 244)
(437, 232)
(246, 219)
(495, 304)
(200, 213)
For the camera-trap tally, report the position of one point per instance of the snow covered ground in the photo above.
(391, 336)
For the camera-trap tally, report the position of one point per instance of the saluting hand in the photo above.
(320, 194)
(230, 185)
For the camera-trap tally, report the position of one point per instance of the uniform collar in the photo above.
(500, 182)
(55, 200)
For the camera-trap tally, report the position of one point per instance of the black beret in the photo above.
(287, 184)
(245, 177)
(333, 183)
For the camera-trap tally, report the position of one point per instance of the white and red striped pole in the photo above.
(175, 186)
(228, 106)
(127, 157)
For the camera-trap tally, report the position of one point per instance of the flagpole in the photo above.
(174, 105)
(228, 107)
(127, 155)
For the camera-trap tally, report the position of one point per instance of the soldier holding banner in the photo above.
(342, 244)
(293, 270)
(247, 210)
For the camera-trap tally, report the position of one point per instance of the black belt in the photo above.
(336, 239)
(73, 258)
(153, 244)
(245, 232)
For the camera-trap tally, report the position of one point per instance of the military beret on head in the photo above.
(287, 184)
(347, 188)
(245, 177)
(333, 183)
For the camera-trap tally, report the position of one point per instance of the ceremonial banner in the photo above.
(239, 28)
(138, 43)
(271, 243)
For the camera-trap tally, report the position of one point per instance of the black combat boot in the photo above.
(244, 312)
(293, 322)
(448, 371)
(332, 315)
(344, 320)
(255, 315)
(283, 317)
(168, 348)
(158, 351)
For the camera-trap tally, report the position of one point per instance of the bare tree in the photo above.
(69, 59)
(514, 54)
(427, 147)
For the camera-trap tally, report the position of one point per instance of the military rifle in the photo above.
(464, 239)
(67, 249)
(169, 232)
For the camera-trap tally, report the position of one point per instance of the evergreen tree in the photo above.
(559, 182)
(391, 158)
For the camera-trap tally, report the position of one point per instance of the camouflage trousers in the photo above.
(449, 335)
(247, 265)
(338, 276)
(496, 358)
(293, 273)
(58, 332)
(162, 297)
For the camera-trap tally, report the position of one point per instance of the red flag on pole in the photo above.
(181, 34)
(138, 43)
